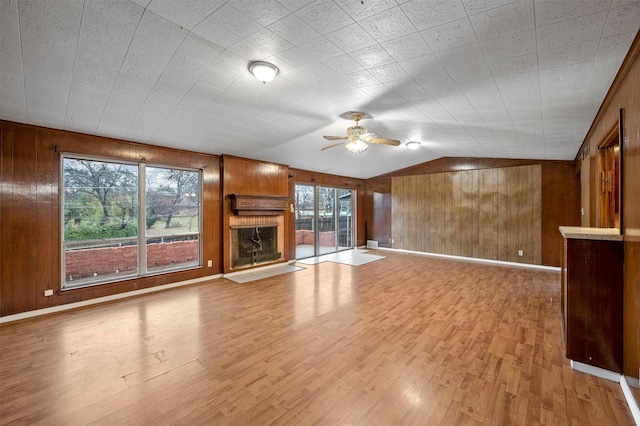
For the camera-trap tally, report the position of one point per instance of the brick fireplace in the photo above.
(256, 231)
(255, 240)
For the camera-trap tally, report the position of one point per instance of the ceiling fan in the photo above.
(358, 138)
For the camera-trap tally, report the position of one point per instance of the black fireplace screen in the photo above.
(256, 245)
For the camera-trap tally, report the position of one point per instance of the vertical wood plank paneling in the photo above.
(438, 213)
(465, 248)
(397, 222)
(524, 214)
(6, 219)
(466, 205)
(585, 165)
(377, 210)
(418, 217)
(447, 222)
(559, 205)
(537, 248)
(484, 218)
(421, 218)
(426, 210)
(411, 213)
(512, 227)
(402, 210)
(501, 206)
(47, 218)
(474, 196)
(24, 223)
(495, 212)
(457, 225)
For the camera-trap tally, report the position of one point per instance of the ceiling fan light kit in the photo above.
(413, 144)
(358, 138)
(356, 146)
(263, 71)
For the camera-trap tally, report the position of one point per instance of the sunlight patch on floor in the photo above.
(348, 257)
(259, 274)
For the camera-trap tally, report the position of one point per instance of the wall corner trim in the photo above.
(631, 401)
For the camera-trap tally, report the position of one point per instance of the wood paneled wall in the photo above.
(251, 177)
(558, 187)
(316, 178)
(30, 235)
(624, 93)
(489, 214)
(378, 210)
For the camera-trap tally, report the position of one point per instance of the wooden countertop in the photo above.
(581, 233)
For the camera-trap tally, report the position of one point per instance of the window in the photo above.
(105, 237)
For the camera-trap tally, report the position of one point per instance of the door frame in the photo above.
(609, 175)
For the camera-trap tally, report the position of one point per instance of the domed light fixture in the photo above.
(263, 71)
(356, 145)
(413, 144)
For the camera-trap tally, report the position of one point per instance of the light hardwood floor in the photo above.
(405, 340)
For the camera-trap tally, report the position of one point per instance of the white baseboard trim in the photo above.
(74, 305)
(631, 401)
(475, 259)
(595, 371)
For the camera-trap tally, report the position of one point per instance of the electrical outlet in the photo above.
(520, 253)
(209, 263)
(48, 292)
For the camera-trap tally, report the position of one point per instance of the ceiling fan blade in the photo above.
(333, 145)
(382, 141)
(368, 136)
(336, 138)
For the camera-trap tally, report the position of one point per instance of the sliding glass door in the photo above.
(323, 220)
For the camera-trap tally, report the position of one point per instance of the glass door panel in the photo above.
(345, 223)
(327, 236)
(305, 221)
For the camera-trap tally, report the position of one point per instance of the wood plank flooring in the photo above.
(405, 340)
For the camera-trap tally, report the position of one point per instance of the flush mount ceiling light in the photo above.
(263, 71)
(413, 144)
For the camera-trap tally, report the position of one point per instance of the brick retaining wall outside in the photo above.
(106, 260)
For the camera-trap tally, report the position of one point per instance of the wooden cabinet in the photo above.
(592, 296)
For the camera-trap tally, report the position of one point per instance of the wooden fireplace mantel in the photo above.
(258, 205)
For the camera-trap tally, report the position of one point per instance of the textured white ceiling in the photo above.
(483, 78)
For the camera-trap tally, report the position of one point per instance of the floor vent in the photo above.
(372, 244)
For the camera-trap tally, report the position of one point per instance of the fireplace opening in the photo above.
(253, 245)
